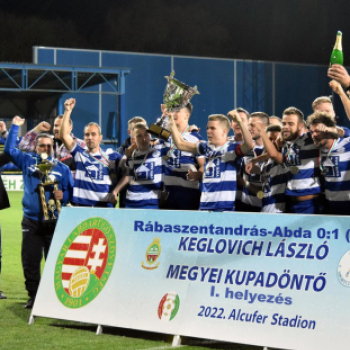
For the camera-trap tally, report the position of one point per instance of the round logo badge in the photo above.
(85, 262)
(343, 272)
(168, 306)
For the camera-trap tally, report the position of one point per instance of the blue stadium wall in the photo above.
(223, 84)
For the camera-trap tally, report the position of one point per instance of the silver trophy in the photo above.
(176, 96)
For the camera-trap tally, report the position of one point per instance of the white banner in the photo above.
(13, 182)
(280, 281)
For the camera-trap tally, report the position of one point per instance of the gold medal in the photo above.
(166, 158)
(260, 194)
(294, 170)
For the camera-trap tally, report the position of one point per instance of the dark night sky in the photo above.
(274, 30)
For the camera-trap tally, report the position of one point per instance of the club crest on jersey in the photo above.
(168, 306)
(152, 255)
(85, 262)
(156, 153)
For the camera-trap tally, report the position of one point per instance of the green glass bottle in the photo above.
(337, 53)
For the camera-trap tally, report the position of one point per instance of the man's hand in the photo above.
(235, 117)
(193, 127)
(58, 195)
(258, 125)
(279, 142)
(340, 74)
(194, 175)
(336, 87)
(2, 127)
(113, 197)
(69, 104)
(18, 121)
(42, 127)
(130, 150)
(249, 167)
(329, 132)
(171, 119)
(163, 109)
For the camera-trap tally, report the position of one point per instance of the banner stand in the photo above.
(31, 320)
(99, 330)
(176, 341)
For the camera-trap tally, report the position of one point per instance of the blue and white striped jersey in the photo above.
(337, 177)
(274, 183)
(92, 182)
(179, 163)
(145, 177)
(218, 187)
(302, 155)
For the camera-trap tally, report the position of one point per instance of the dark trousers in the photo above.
(311, 206)
(182, 200)
(36, 240)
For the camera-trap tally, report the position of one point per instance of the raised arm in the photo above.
(248, 143)
(27, 143)
(340, 74)
(269, 146)
(180, 143)
(65, 131)
(336, 87)
(10, 145)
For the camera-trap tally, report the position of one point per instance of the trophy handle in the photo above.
(58, 202)
(43, 202)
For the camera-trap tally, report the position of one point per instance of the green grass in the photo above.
(15, 333)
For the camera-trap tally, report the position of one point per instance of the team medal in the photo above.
(328, 162)
(294, 170)
(260, 194)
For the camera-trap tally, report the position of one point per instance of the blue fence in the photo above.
(223, 83)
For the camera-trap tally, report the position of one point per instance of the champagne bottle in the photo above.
(337, 53)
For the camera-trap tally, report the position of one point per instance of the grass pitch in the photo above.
(15, 333)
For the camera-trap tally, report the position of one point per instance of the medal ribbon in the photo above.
(288, 149)
(100, 160)
(327, 156)
(215, 152)
(145, 157)
(58, 148)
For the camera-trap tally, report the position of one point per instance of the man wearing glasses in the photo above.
(36, 233)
